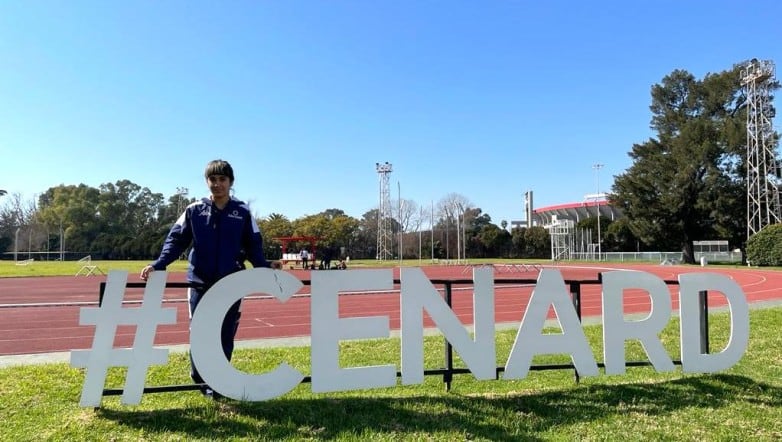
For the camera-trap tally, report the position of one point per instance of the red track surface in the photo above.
(41, 315)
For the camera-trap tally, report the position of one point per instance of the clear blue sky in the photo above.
(486, 99)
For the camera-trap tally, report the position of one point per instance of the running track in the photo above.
(41, 315)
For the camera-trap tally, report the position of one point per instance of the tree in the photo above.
(276, 225)
(76, 207)
(117, 221)
(416, 243)
(537, 242)
(518, 242)
(406, 212)
(126, 218)
(364, 244)
(590, 224)
(619, 237)
(451, 209)
(123, 220)
(492, 241)
(686, 184)
(342, 235)
(333, 227)
(484, 238)
(17, 214)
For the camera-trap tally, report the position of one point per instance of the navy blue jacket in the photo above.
(221, 240)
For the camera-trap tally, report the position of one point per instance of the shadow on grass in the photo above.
(506, 417)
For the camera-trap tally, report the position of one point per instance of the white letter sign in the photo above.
(693, 361)
(417, 296)
(530, 340)
(207, 351)
(328, 329)
(616, 330)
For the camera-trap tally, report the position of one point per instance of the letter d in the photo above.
(693, 360)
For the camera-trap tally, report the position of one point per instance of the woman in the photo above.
(223, 233)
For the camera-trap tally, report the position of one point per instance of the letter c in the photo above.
(206, 348)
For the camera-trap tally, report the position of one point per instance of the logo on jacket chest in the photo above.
(234, 214)
(214, 219)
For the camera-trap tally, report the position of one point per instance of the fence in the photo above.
(669, 257)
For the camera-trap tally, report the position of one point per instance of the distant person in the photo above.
(223, 233)
(304, 255)
(326, 262)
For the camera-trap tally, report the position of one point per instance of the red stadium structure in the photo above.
(574, 211)
(550, 215)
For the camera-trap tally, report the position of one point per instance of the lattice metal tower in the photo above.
(562, 240)
(384, 234)
(763, 174)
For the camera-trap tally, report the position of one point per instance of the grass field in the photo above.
(69, 268)
(745, 403)
(41, 402)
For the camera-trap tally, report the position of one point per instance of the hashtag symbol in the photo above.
(138, 358)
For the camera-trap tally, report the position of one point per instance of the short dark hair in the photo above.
(219, 167)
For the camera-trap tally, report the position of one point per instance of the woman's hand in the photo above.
(146, 271)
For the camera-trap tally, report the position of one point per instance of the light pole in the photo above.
(597, 168)
(420, 222)
(16, 243)
(464, 237)
(431, 224)
(401, 230)
(62, 243)
(458, 234)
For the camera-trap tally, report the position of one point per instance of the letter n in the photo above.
(418, 295)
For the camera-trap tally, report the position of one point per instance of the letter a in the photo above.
(530, 339)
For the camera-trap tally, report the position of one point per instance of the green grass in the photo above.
(743, 403)
(69, 268)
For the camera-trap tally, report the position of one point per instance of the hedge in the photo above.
(765, 247)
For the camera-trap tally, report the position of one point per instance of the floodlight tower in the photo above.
(763, 174)
(384, 212)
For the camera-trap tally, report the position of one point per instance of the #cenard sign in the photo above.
(417, 296)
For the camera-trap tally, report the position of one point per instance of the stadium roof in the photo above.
(574, 211)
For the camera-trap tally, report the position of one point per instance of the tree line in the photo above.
(687, 183)
(123, 220)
